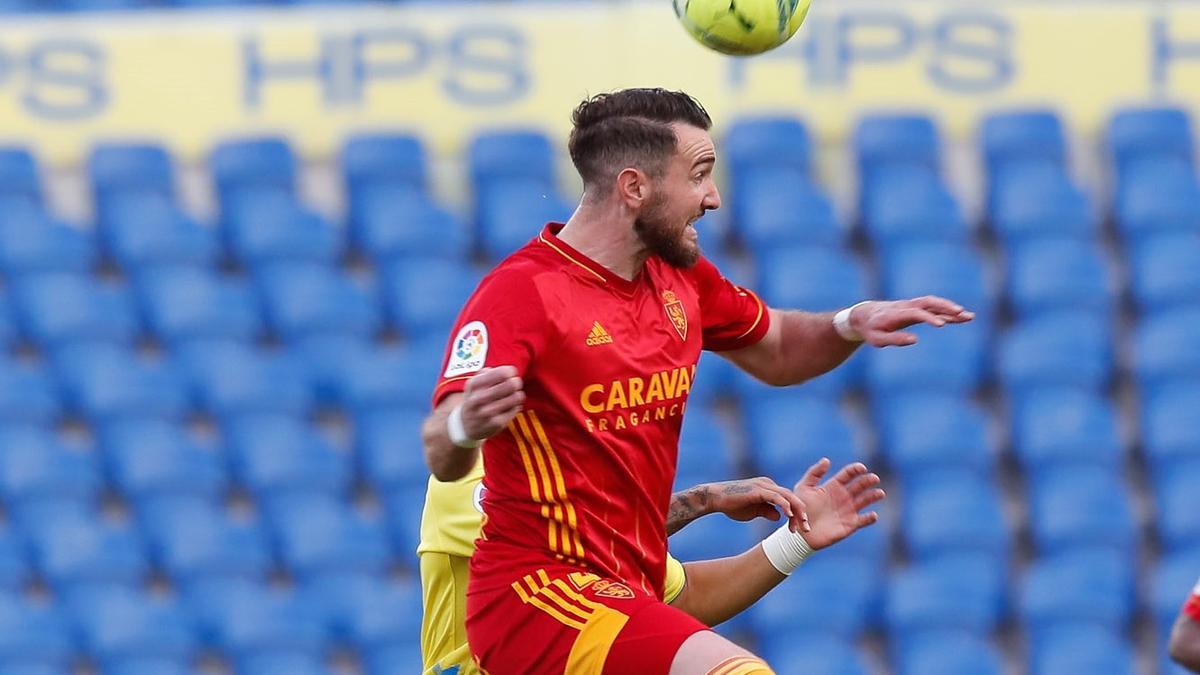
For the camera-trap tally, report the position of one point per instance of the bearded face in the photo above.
(669, 236)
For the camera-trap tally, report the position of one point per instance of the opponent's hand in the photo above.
(752, 498)
(882, 323)
(833, 506)
(491, 399)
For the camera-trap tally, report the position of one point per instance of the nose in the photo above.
(712, 198)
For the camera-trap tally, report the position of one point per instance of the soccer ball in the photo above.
(741, 27)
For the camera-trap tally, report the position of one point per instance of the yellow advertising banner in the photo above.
(447, 70)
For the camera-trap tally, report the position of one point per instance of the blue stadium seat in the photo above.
(15, 570)
(786, 434)
(118, 623)
(286, 661)
(253, 162)
(1136, 133)
(896, 138)
(950, 270)
(1167, 434)
(1064, 349)
(307, 299)
(104, 382)
(954, 592)
(151, 457)
(245, 618)
(1171, 581)
(830, 592)
(705, 452)
(1083, 650)
(263, 226)
(389, 376)
(34, 464)
(1156, 200)
(812, 278)
(74, 548)
(316, 535)
(19, 175)
(8, 328)
(393, 658)
(1164, 349)
(403, 508)
(714, 381)
(513, 211)
(511, 153)
(59, 307)
(815, 653)
(228, 377)
(781, 207)
(950, 652)
(34, 634)
(31, 242)
(389, 224)
(1083, 586)
(1050, 275)
(116, 168)
(392, 159)
(1164, 273)
(1029, 202)
(27, 394)
(149, 665)
(904, 206)
(949, 359)
(22, 667)
(1020, 136)
(1077, 506)
(1056, 427)
(1178, 521)
(924, 431)
(193, 538)
(766, 141)
(184, 303)
(384, 446)
(954, 511)
(141, 230)
(709, 538)
(371, 611)
(274, 454)
(423, 297)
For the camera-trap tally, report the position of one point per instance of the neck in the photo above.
(604, 233)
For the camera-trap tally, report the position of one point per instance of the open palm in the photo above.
(833, 506)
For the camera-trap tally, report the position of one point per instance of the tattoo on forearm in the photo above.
(687, 506)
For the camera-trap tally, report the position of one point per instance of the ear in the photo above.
(633, 187)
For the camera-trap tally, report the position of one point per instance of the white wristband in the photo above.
(458, 433)
(786, 550)
(841, 323)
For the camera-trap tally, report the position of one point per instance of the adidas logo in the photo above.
(598, 336)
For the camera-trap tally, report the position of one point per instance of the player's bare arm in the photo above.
(490, 401)
(835, 509)
(742, 500)
(800, 345)
(1185, 643)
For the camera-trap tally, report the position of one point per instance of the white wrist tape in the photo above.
(841, 323)
(786, 550)
(457, 432)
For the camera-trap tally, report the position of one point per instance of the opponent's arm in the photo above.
(833, 509)
(744, 499)
(1184, 645)
(799, 346)
(491, 399)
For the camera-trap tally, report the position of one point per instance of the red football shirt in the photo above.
(583, 475)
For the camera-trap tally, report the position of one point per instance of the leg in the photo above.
(707, 653)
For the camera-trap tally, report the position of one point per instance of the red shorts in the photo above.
(560, 620)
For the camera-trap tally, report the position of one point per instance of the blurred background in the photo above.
(233, 238)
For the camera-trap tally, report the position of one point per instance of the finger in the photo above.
(816, 472)
(903, 318)
(497, 390)
(865, 519)
(769, 512)
(938, 305)
(868, 498)
(862, 484)
(890, 339)
(850, 472)
(796, 506)
(513, 400)
(490, 376)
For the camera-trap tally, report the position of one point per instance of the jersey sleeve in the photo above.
(1191, 608)
(732, 317)
(674, 581)
(501, 324)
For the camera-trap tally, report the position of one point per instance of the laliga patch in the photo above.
(477, 497)
(469, 351)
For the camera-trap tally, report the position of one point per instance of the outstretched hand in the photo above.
(882, 323)
(833, 506)
(752, 498)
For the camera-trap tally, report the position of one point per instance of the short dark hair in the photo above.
(630, 127)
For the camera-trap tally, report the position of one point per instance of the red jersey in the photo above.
(583, 475)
